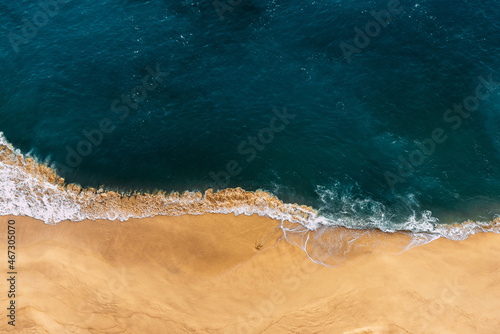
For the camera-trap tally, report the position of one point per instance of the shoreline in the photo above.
(231, 274)
(34, 189)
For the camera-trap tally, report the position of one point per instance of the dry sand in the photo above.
(225, 274)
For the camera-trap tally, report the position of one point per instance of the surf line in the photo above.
(372, 29)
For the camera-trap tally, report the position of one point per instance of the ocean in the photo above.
(365, 114)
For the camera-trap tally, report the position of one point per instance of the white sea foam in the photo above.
(31, 189)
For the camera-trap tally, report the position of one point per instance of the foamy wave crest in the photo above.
(33, 189)
(339, 207)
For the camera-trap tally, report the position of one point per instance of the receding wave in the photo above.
(33, 189)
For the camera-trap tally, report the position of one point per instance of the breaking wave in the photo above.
(29, 188)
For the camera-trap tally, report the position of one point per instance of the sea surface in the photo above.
(376, 114)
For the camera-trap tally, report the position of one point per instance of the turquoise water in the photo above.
(369, 111)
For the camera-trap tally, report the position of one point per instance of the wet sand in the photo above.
(218, 273)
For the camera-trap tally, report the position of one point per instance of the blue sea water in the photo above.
(317, 102)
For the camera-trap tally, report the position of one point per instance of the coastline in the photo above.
(34, 189)
(219, 273)
(250, 167)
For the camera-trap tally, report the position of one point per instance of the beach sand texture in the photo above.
(217, 273)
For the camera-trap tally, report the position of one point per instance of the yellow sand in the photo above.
(225, 274)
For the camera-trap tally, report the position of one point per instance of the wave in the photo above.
(34, 189)
(30, 188)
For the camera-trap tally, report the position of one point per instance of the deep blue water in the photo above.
(350, 119)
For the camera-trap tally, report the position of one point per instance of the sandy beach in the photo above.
(250, 167)
(217, 273)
